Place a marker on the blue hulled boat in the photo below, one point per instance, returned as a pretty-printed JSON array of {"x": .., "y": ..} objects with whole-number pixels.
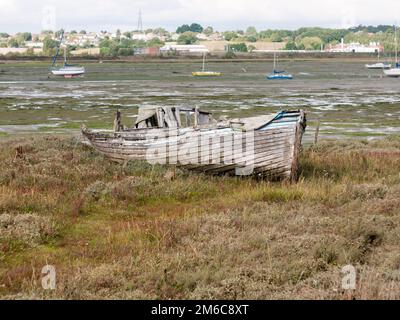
[{"x": 278, "y": 74}]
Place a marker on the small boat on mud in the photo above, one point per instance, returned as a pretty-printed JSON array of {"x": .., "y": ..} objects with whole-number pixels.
[
  {"x": 266, "y": 145},
  {"x": 394, "y": 72},
  {"x": 204, "y": 73},
  {"x": 67, "y": 70},
  {"x": 278, "y": 74},
  {"x": 378, "y": 66}
]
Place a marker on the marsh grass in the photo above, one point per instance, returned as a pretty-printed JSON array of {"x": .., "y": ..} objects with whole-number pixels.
[{"x": 141, "y": 231}]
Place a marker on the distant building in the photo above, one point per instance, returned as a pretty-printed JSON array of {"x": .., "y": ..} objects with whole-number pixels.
[
  {"x": 151, "y": 51},
  {"x": 86, "y": 52},
  {"x": 216, "y": 36},
  {"x": 79, "y": 40},
  {"x": 140, "y": 36},
  {"x": 32, "y": 44},
  {"x": 184, "y": 48},
  {"x": 175, "y": 36},
  {"x": 202, "y": 36},
  {"x": 260, "y": 46},
  {"x": 355, "y": 47},
  {"x": 43, "y": 36},
  {"x": 4, "y": 51}
]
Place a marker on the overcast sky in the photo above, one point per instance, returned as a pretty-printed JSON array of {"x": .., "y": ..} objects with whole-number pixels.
[{"x": 96, "y": 15}]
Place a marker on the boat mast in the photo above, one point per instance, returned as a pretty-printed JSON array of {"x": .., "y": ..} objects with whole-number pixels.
[
  {"x": 395, "y": 42},
  {"x": 58, "y": 48},
  {"x": 65, "y": 56},
  {"x": 274, "y": 61},
  {"x": 204, "y": 61}
]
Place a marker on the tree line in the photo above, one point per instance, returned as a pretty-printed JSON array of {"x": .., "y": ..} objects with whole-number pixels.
[{"x": 310, "y": 38}]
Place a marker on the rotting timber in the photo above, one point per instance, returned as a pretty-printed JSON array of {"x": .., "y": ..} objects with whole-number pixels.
[{"x": 266, "y": 145}]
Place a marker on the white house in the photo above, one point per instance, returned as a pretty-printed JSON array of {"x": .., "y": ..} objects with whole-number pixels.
[
  {"x": 175, "y": 36},
  {"x": 32, "y": 44},
  {"x": 184, "y": 48},
  {"x": 140, "y": 36},
  {"x": 372, "y": 47},
  {"x": 4, "y": 51}
]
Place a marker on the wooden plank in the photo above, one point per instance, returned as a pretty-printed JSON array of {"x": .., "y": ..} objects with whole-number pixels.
[
  {"x": 178, "y": 116},
  {"x": 169, "y": 118}
]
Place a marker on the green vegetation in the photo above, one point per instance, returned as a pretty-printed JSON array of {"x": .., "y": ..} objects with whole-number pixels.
[
  {"x": 13, "y": 43},
  {"x": 125, "y": 46},
  {"x": 237, "y": 47},
  {"x": 208, "y": 31},
  {"x": 194, "y": 27},
  {"x": 306, "y": 43},
  {"x": 372, "y": 29},
  {"x": 229, "y": 55},
  {"x": 229, "y": 35},
  {"x": 136, "y": 231},
  {"x": 18, "y": 41},
  {"x": 24, "y": 36},
  {"x": 310, "y": 38},
  {"x": 49, "y": 45},
  {"x": 58, "y": 33},
  {"x": 161, "y": 32},
  {"x": 187, "y": 38},
  {"x": 313, "y": 38}
]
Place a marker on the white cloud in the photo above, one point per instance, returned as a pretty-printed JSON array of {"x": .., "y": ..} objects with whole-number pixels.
[{"x": 20, "y": 15}]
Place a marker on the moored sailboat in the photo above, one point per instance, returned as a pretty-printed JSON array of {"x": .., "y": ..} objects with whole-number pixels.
[
  {"x": 278, "y": 74},
  {"x": 378, "y": 65},
  {"x": 204, "y": 73},
  {"x": 67, "y": 70},
  {"x": 394, "y": 72}
]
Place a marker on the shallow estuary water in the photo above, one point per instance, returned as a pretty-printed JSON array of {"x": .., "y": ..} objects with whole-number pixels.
[{"x": 348, "y": 100}]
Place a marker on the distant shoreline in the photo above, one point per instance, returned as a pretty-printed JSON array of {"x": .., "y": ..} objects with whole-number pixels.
[{"x": 213, "y": 57}]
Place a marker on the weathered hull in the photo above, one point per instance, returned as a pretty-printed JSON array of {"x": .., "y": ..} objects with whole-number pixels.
[{"x": 270, "y": 151}]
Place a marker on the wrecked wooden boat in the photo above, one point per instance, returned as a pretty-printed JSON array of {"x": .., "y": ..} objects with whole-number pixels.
[{"x": 266, "y": 145}]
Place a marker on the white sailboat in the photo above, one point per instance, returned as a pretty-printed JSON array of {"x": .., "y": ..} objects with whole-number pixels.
[
  {"x": 67, "y": 70},
  {"x": 203, "y": 72},
  {"x": 394, "y": 72},
  {"x": 379, "y": 65}
]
